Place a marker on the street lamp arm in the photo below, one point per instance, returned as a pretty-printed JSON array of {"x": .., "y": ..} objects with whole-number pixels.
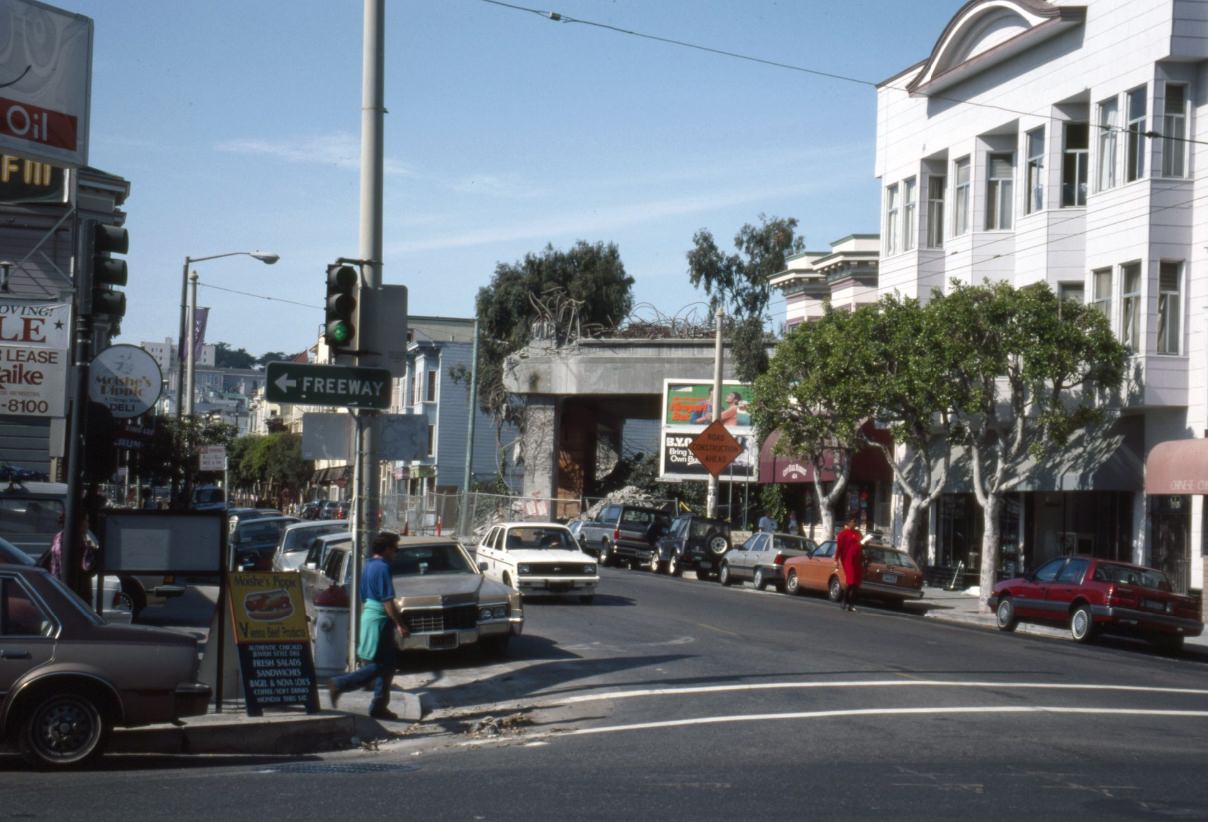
[{"x": 262, "y": 256}]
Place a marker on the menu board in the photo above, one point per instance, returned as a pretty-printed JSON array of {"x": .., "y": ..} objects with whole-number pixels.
[{"x": 269, "y": 622}]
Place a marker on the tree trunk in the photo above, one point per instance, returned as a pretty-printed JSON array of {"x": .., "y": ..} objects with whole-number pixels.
[
  {"x": 989, "y": 548},
  {"x": 910, "y": 524}
]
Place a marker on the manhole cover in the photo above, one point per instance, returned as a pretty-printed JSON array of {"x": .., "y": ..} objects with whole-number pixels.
[{"x": 339, "y": 767}]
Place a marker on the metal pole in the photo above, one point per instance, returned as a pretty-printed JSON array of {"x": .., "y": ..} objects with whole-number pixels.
[
  {"x": 186, "y": 499},
  {"x": 711, "y": 508},
  {"x": 356, "y": 518},
  {"x": 372, "y": 111},
  {"x": 468, "y": 475},
  {"x": 72, "y": 547},
  {"x": 180, "y": 340}
]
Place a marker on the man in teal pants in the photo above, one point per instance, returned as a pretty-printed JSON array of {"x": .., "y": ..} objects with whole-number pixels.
[{"x": 380, "y": 620}]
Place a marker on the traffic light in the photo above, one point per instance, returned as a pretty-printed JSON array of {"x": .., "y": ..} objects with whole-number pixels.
[
  {"x": 343, "y": 287},
  {"x": 107, "y": 272}
]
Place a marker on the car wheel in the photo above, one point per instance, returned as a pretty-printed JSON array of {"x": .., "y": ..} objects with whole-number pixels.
[
  {"x": 792, "y": 585},
  {"x": 758, "y": 581},
  {"x": 718, "y": 545},
  {"x": 653, "y": 565},
  {"x": 834, "y": 589},
  {"x": 605, "y": 554},
  {"x": 133, "y": 589},
  {"x": 702, "y": 573},
  {"x": 1082, "y": 624},
  {"x": 64, "y": 729},
  {"x": 673, "y": 566},
  {"x": 723, "y": 574},
  {"x": 1004, "y": 615}
]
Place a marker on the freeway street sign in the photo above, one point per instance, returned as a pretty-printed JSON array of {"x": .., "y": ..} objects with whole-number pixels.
[{"x": 291, "y": 382}]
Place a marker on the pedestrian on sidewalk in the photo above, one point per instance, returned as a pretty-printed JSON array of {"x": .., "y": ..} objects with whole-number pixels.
[
  {"x": 849, "y": 555},
  {"x": 767, "y": 524},
  {"x": 793, "y": 527},
  {"x": 380, "y": 619}
]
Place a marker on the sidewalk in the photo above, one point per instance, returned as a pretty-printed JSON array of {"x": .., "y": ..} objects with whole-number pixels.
[
  {"x": 288, "y": 731},
  {"x": 962, "y": 607}
]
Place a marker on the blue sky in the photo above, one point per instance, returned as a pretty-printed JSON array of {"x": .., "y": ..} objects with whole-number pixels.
[{"x": 238, "y": 122}]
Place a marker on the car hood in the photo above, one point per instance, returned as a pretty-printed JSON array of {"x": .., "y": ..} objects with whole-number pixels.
[
  {"x": 549, "y": 555},
  {"x": 447, "y": 589}
]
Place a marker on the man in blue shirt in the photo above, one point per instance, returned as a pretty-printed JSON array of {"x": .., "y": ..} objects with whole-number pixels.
[
  {"x": 767, "y": 524},
  {"x": 380, "y": 619}
]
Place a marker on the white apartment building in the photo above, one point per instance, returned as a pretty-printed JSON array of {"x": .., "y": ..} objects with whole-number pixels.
[{"x": 1059, "y": 142}]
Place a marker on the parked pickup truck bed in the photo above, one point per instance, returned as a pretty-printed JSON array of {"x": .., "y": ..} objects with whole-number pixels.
[{"x": 629, "y": 532}]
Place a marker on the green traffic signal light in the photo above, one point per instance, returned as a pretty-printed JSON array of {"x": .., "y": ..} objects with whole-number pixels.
[
  {"x": 343, "y": 283},
  {"x": 339, "y": 332}
]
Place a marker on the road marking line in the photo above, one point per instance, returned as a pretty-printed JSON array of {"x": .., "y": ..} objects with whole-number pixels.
[
  {"x": 836, "y": 714},
  {"x": 891, "y": 683},
  {"x": 715, "y": 628}
]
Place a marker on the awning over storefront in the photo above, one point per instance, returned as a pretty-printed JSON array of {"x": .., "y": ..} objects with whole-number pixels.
[
  {"x": 1177, "y": 467},
  {"x": 867, "y": 466}
]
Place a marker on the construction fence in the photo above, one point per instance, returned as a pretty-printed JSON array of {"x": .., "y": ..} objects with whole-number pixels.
[{"x": 442, "y": 513}]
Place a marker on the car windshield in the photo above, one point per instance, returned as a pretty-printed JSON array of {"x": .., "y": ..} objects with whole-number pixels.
[
  {"x": 78, "y": 603},
  {"x": 425, "y": 560},
  {"x": 1132, "y": 575},
  {"x": 29, "y": 523},
  {"x": 539, "y": 538},
  {"x": 299, "y": 539},
  {"x": 258, "y": 531}
]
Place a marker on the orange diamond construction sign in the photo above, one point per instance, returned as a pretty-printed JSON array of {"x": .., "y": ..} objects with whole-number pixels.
[{"x": 715, "y": 447}]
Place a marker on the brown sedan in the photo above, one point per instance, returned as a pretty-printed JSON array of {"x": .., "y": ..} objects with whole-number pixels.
[
  {"x": 889, "y": 574},
  {"x": 67, "y": 677}
]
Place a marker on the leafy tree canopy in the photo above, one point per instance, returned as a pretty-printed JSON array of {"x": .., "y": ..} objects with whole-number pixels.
[
  {"x": 589, "y": 279},
  {"x": 227, "y": 357}
]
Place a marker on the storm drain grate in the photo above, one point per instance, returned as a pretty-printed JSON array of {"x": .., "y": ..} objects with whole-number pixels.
[{"x": 339, "y": 767}]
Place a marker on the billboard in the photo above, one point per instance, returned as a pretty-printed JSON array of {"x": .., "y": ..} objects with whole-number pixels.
[
  {"x": 688, "y": 410},
  {"x": 45, "y": 80},
  {"x": 34, "y": 340}
]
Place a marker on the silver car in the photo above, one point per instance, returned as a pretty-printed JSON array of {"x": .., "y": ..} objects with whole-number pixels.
[
  {"x": 761, "y": 559},
  {"x": 296, "y": 540}
]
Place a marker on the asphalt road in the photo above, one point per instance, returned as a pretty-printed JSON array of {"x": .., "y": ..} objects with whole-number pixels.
[{"x": 678, "y": 699}]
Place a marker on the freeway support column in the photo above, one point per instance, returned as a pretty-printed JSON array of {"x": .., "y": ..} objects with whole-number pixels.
[{"x": 539, "y": 447}]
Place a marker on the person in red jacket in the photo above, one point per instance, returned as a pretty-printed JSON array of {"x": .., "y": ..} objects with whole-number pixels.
[{"x": 850, "y": 556}]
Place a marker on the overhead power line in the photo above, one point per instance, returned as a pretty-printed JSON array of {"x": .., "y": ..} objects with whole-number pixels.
[
  {"x": 558, "y": 17},
  {"x": 260, "y": 296}
]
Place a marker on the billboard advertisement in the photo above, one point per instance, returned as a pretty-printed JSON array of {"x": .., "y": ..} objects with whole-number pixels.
[
  {"x": 45, "y": 79},
  {"x": 34, "y": 339},
  {"x": 688, "y": 410}
]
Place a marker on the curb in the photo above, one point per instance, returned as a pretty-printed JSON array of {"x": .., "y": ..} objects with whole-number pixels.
[{"x": 243, "y": 735}]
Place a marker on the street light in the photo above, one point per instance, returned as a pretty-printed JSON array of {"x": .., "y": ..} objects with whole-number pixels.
[
  {"x": 263, "y": 256},
  {"x": 187, "y": 310}
]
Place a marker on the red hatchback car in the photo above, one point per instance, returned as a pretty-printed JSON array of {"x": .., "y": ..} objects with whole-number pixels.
[{"x": 1092, "y": 595}]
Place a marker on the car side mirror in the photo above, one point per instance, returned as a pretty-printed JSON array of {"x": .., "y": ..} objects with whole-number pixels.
[{"x": 482, "y": 566}]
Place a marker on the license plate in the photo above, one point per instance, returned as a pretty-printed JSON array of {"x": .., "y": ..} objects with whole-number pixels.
[
  {"x": 442, "y": 642},
  {"x": 889, "y": 577},
  {"x": 559, "y": 586},
  {"x": 1154, "y": 605}
]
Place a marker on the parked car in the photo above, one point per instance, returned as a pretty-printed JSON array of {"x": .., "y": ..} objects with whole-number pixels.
[
  {"x": 296, "y": 539},
  {"x": 1093, "y": 595},
  {"x": 238, "y": 515},
  {"x": 445, "y": 600},
  {"x": 311, "y": 510},
  {"x": 694, "y": 541},
  {"x": 761, "y": 559},
  {"x": 328, "y": 509},
  {"x": 538, "y": 558},
  {"x": 625, "y": 532},
  {"x": 208, "y": 498},
  {"x": 253, "y": 542},
  {"x": 890, "y": 575},
  {"x": 69, "y": 677},
  {"x": 116, "y": 604}
]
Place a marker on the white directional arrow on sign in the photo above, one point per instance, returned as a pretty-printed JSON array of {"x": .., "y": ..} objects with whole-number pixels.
[{"x": 284, "y": 382}]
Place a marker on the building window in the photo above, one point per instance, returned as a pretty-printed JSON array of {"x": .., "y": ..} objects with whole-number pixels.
[
  {"x": 891, "y": 219},
  {"x": 1101, "y": 291},
  {"x": 1174, "y": 130},
  {"x": 1109, "y": 124},
  {"x": 1035, "y": 200},
  {"x": 1134, "y": 167},
  {"x": 415, "y": 386},
  {"x": 1170, "y": 308},
  {"x": 961, "y": 224},
  {"x": 1130, "y": 306},
  {"x": 1070, "y": 293},
  {"x": 430, "y": 396},
  {"x": 1073, "y": 165},
  {"x": 1000, "y": 172},
  {"x": 431, "y": 440},
  {"x": 910, "y": 197},
  {"x": 935, "y": 211}
]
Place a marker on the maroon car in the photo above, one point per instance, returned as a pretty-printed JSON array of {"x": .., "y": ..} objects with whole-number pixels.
[
  {"x": 67, "y": 677},
  {"x": 1090, "y": 595}
]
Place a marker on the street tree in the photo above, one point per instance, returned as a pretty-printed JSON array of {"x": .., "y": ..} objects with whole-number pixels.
[
  {"x": 818, "y": 392},
  {"x": 739, "y": 283},
  {"x": 1029, "y": 370},
  {"x": 227, "y": 357},
  {"x": 555, "y": 293}
]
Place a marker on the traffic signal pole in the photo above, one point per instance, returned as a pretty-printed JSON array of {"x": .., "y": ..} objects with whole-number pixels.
[{"x": 367, "y": 502}]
